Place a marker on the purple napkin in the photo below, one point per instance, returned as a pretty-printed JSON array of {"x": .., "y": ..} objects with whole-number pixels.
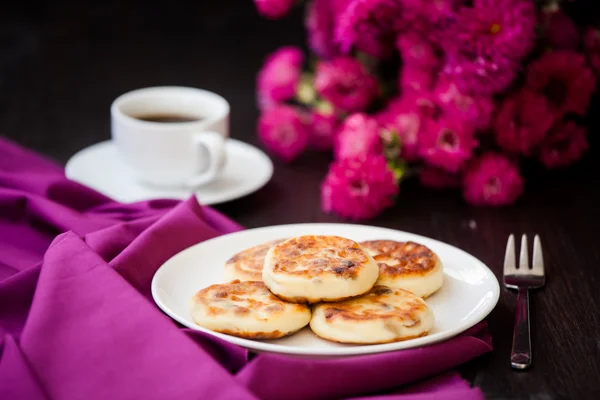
[{"x": 77, "y": 319}]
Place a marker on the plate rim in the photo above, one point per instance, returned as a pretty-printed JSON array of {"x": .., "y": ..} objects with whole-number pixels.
[
  {"x": 102, "y": 145},
  {"x": 258, "y": 346}
]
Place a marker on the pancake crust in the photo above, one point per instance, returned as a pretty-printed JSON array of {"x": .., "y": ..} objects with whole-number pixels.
[
  {"x": 406, "y": 265},
  {"x": 247, "y": 265},
  {"x": 319, "y": 268},
  {"x": 383, "y": 315},
  {"x": 248, "y": 310}
]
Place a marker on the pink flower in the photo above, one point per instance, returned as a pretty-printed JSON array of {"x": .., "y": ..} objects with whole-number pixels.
[
  {"x": 437, "y": 10},
  {"x": 273, "y": 9},
  {"x": 492, "y": 180},
  {"x": 522, "y": 122},
  {"x": 279, "y": 76},
  {"x": 474, "y": 109},
  {"x": 565, "y": 79},
  {"x": 345, "y": 83},
  {"x": 358, "y": 188},
  {"x": 420, "y": 63},
  {"x": 320, "y": 22},
  {"x": 358, "y": 136},
  {"x": 479, "y": 75},
  {"x": 436, "y": 178},
  {"x": 495, "y": 29},
  {"x": 408, "y": 116},
  {"x": 415, "y": 79},
  {"x": 592, "y": 48},
  {"x": 369, "y": 26},
  {"x": 447, "y": 143},
  {"x": 559, "y": 29},
  {"x": 488, "y": 42},
  {"x": 283, "y": 131},
  {"x": 322, "y": 130},
  {"x": 418, "y": 117},
  {"x": 565, "y": 144},
  {"x": 429, "y": 19},
  {"x": 417, "y": 51}
]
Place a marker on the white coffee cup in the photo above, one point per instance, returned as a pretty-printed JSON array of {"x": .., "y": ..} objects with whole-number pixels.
[{"x": 171, "y": 154}]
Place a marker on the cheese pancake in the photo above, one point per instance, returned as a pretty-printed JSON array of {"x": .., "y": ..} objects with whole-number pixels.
[
  {"x": 406, "y": 265},
  {"x": 247, "y": 265},
  {"x": 383, "y": 315},
  {"x": 248, "y": 310},
  {"x": 310, "y": 269}
]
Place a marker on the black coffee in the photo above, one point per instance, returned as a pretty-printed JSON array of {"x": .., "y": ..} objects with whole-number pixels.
[{"x": 168, "y": 118}]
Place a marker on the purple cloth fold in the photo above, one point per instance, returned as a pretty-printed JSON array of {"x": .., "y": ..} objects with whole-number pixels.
[{"x": 77, "y": 319}]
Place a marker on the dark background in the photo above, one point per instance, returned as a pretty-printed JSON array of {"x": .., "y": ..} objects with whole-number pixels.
[{"x": 63, "y": 62}]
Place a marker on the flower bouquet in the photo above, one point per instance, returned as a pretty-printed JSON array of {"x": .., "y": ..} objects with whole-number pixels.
[{"x": 456, "y": 92}]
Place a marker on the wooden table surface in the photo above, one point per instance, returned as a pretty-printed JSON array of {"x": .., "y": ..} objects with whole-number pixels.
[{"x": 62, "y": 63}]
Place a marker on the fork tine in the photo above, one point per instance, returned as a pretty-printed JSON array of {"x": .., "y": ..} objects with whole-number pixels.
[
  {"x": 524, "y": 258},
  {"x": 509, "y": 257},
  {"x": 538, "y": 257}
]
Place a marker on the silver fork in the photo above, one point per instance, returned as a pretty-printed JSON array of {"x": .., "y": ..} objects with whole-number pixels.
[{"x": 523, "y": 279}]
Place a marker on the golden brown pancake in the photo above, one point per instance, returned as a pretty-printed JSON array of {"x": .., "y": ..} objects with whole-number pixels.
[
  {"x": 406, "y": 265},
  {"x": 247, "y": 265},
  {"x": 318, "y": 268},
  {"x": 383, "y": 315},
  {"x": 248, "y": 310}
]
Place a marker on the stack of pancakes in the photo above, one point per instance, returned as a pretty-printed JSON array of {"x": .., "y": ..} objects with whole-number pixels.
[{"x": 349, "y": 292}]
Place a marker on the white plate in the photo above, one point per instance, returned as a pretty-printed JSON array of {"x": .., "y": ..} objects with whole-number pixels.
[
  {"x": 101, "y": 168},
  {"x": 469, "y": 293}
]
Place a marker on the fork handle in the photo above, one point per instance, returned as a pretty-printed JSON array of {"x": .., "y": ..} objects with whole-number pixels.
[{"x": 520, "y": 357}]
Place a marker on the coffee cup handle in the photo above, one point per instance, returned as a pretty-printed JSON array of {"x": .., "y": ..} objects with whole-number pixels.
[{"x": 214, "y": 143}]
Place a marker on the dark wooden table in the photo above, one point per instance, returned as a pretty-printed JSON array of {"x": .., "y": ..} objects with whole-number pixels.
[{"x": 63, "y": 62}]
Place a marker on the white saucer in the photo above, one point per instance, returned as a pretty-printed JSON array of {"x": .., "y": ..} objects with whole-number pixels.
[{"x": 101, "y": 168}]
